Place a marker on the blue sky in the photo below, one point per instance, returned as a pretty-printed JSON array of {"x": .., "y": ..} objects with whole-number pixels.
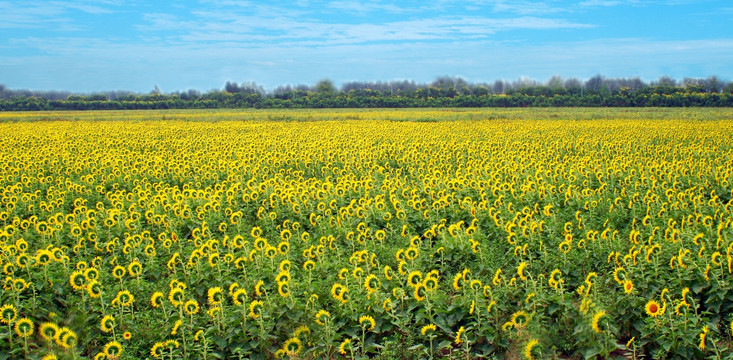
[{"x": 87, "y": 46}]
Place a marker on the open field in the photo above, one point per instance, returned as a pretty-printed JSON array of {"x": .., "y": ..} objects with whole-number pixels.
[{"x": 309, "y": 234}]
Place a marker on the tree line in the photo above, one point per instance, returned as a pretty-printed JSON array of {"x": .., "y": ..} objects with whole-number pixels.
[{"x": 443, "y": 92}]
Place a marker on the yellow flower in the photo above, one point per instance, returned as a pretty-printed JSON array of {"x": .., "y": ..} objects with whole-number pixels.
[
  {"x": 367, "y": 319},
  {"x": 176, "y": 326},
  {"x": 520, "y": 318},
  {"x": 191, "y": 307},
  {"x": 215, "y": 296},
  {"x": 342, "y": 347},
  {"x": 283, "y": 289},
  {"x": 258, "y": 287},
  {"x": 156, "y": 299},
  {"x": 387, "y": 305},
  {"x": 113, "y": 349},
  {"x": 653, "y": 308},
  {"x": 322, "y": 316},
  {"x": 292, "y": 346},
  {"x": 24, "y": 327},
  {"x": 255, "y": 309},
  {"x": 628, "y": 286},
  {"x": 426, "y": 328},
  {"x": 520, "y": 271},
  {"x": 8, "y": 314},
  {"x": 197, "y": 336},
  {"x": 66, "y": 338},
  {"x": 703, "y": 336},
  {"x": 596, "y": 318},
  {"x": 371, "y": 283},
  {"x": 176, "y": 296},
  {"x": 458, "y": 340},
  {"x": 107, "y": 323},
  {"x": 157, "y": 349},
  {"x": 239, "y": 297},
  {"x": 420, "y": 292},
  {"x": 457, "y": 280},
  {"x": 529, "y": 347},
  {"x": 48, "y": 331}
]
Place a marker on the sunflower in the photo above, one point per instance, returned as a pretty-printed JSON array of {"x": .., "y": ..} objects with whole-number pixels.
[
  {"x": 258, "y": 288},
  {"x": 215, "y": 296},
  {"x": 24, "y": 327},
  {"x": 322, "y": 316},
  {"x": 653, "y": 308},
  {"x": 255, "y": 309},
  {"x": 282, "y": 276},
  {"x": 387, "y": 305},
  {"x": 371, "y": 283},
  {"x": 50, "y": 357},
  {"x": 124, "y": 298},
  {"x": 91, "y": 274},
  {"x": 309, "y": 265},
  {"x": 457, "y": 281},
  {"x": 520, "y": 271},
  {"x": 66, "y": 338},
  {"x": 430, "y": 327},
  {"x": 520, "y": 318},
  {"x": 292, "y": 346},
  {"x": 113, "y": 349},
  {"x": 596, "y": 318},
  {"x": 388, "y": 273},
  {"x": 48, "y": 331},
  {"x": 458, "y": 340},
  {"x": 107, "y": 323},
  {"x": 336, "y": 290},
  {"x": 214, "y": 312},
  {"x": 175, "y": 296},
  {"x": 628, "y": 286},
  {"x": 414, "y": 278},
  {"x": 420, "y": 292},
  {"x": 156, "y": 350},
  {"x": 342, "y": 347},
  {"x": 703, "y": 336},
  {"x": 529, "y": 347},
  {"x": 127, "y": 335},
  {"x": 156, "y": 299},
  {"x": 239, "y": 297},
  {"x": 283, "y": 289},
  {"x": 8, "y": 313},
  {"x": 402, "y": 268},
  {"x": 77, "y": 280},
  {"x": 367, "y": 319},
  {"x": 176, "y": 325},
  {"x": 497, "y": 277},
  {"x": 191, "y": 307},
  {"x": 119, "y": 272},
  {"x": 94, "y": 289}
]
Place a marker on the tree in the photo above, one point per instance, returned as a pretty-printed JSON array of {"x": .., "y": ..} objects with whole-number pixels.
[{"x": 325, "y": 87}]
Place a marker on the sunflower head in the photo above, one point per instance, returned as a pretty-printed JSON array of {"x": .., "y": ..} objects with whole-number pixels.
[
  {"x": 24, "y": 327},
  {"x": 113, "y": 350},
  {"x": 653, "y": 308},
  {"x": 368, "y": 322},
  {"x": 107, "y": 323},
  {"x": 8, "y": 313}
]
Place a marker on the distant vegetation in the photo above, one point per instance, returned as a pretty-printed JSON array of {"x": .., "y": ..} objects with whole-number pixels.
[{"x": 443, "y": 92}]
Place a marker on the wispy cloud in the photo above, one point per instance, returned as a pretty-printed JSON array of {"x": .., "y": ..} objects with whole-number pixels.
[
  {"x": 365, "y": 8},
  {"x": 216, "y": 25},
  {"x": 52, "y": 15}
]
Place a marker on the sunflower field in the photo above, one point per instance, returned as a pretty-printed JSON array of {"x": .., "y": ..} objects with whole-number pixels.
[{"x": 410, "y": 235}]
